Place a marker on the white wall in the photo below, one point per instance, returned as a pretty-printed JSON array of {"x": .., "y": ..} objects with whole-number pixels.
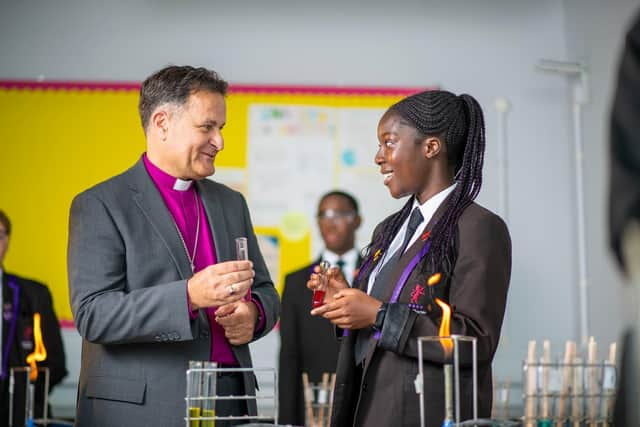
[{"x": 486, "y": 48}]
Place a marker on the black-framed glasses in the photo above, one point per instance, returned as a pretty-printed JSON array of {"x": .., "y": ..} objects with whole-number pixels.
[{"x": 332, "y": 215}]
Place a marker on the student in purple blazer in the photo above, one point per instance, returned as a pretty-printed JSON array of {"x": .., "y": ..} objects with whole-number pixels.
[
  {"x": 20, "y": 298},
  {"x": 431, "y": 148}
]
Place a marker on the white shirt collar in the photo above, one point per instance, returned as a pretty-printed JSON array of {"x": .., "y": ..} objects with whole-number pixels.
[
  {"x": 428, "y": 208},
  {"x": 350, "y": 259}
]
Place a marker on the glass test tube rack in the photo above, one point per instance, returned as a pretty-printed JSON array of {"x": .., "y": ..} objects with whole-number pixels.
[
  {"x": 575, "y": 394},
  {"x": 197, "y": 398},
  {"x": 419, "y": 382},
  {"x": 29, "y": 396},
  {"x": 318, "y": 400}
]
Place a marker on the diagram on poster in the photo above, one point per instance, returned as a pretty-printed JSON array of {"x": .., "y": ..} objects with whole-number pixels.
[{"x": 297, "y": 153}]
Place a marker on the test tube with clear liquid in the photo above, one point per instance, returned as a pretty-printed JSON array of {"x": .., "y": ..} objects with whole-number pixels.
[
  {"x": 318, "y": 294},
  {"x": 209, "y": 394},
  {"x": 195, "y": 394},
  {"x": 242, "y": 254}
]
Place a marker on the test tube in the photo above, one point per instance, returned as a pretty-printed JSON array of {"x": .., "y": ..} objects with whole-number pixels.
[
  {"x": 318, "y": 293},
  {"x": 195, "y": 394},
  {"x": 242, "y": 254},
  {"x": 31, "y": 403},
  {"x": 209, "y": 392},
  {"x": 242, "y": 250}
]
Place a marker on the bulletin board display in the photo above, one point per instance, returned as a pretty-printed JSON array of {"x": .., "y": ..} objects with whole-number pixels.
[{"x": 284, "y": 147}]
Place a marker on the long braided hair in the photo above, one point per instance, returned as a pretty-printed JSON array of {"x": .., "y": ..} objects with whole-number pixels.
[{"x": 458, "y": 122}]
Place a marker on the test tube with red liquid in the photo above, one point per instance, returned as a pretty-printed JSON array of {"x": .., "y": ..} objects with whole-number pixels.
[{"x": 318, "y": 294}]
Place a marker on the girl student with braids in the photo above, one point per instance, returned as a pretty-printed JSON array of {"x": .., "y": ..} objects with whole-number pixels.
[{"x": 431, "y": 148}]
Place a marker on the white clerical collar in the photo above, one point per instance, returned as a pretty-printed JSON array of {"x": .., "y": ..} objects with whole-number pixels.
[{"x": 182, "y": 184}]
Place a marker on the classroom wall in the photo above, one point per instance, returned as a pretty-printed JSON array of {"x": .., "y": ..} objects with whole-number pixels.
[
  {"x": 486, "y": 48},
  {"x": 595, "y": 37}
]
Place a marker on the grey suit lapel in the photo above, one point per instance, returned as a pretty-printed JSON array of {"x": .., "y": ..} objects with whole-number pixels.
[
  {"x": 150, "y": 202},
  {"x": 211, "y": 201}
]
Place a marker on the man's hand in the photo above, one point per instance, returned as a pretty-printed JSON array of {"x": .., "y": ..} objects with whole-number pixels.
[
  {"x": 350, "y": 309},
  {"x": 238, "y": 320},
  {"x": 220, "y": 284}
]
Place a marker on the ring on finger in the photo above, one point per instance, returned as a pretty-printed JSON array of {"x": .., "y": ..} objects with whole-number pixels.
[{"x": 232, "y": 289}]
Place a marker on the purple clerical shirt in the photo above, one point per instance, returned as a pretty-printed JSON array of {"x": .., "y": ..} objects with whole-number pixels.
[{"x": 182, "y": 206}]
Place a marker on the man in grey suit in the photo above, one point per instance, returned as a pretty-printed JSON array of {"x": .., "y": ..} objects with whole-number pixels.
[{"x": 153, "y": 279}]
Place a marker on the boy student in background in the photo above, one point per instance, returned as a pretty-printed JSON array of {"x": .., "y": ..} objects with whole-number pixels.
[
  {"x": 431, "y": 148},
  {"x": 308, "y": 344},
  {"x": 20, "y": 298}
]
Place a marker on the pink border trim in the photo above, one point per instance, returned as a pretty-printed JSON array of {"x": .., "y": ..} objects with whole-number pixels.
[
  {"x": 64, "y": 85},
  {"x": 328, "y": 90},
  {"x": 67, "y": 324},
  {"x": 239, "y": 88}
]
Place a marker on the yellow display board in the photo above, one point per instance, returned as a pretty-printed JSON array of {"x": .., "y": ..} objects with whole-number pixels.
[{"x": 58, "y": 139}]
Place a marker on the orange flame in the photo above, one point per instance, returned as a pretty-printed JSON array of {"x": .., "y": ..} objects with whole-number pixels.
[
  {"x": 445, "y": 327},
  {"x": 39, "y": 352},
  {"x": 434, "y": 279}
]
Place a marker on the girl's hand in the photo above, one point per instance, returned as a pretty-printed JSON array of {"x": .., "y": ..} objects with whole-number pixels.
[{"x": 350, "y": 309}]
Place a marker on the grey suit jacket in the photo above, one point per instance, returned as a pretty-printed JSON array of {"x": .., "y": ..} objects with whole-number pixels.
[{"x": 127, "y": 282}]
